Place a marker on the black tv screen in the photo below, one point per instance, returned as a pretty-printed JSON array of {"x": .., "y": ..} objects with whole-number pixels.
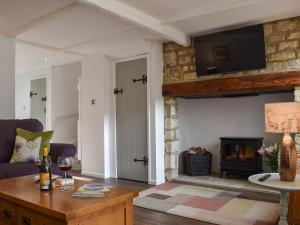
[{"x": 231, "y": 51}]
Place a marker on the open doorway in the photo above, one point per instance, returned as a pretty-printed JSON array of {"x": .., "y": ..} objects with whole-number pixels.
[{"x": 38, "y": 99}]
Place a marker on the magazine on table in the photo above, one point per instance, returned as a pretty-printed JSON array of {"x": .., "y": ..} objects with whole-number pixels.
[{"x": 93, "y": 190}]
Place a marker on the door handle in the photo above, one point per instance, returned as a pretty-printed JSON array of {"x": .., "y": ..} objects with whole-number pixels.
[
  {"x": 7, "y": 213},
  {"x": 26, "y": 220},
  {"x": 144, "y": 160}
]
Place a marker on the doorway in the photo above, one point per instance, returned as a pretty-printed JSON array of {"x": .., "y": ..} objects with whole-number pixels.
[
  {"x": 131, "y": 119},
  {"x": 38, "y": 99}
]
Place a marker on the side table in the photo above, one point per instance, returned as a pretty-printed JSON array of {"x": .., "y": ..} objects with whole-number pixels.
[{"x": 284, "y": 187}]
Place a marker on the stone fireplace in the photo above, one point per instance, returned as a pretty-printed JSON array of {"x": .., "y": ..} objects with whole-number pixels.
[
  {"x": 172, "y": 147},
  {"x": 282, "y": 40}
]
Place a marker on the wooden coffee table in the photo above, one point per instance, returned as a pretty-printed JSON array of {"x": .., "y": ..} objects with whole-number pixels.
[{"x": 22, "y": 203}]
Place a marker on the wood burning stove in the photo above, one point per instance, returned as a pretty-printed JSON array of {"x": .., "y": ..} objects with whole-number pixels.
[{"x": 239, "y": 155}]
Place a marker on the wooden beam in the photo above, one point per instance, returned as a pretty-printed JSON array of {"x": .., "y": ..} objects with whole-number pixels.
[
  {"x": 264, "y": 83},
  {"x": 141, "y": 19}
]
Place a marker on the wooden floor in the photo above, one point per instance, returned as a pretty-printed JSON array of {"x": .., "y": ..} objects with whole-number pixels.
[{"x": 149, "y": 217}]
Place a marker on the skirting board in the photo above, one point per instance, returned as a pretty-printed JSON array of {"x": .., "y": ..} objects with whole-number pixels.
[
  {"x": 93, "y": 174},
  {"x": 156, "y": 182},
  {"x": 100, "y": 175}
]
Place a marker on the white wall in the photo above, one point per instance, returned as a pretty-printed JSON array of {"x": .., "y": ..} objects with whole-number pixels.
[
  {"x": 156, "y": 115},
  {"x": 95, "y": 118},
  {"x": 64, "y": 80},
  {"x": 22, "y": 97},
  {"x": 7, "y": 78},
  {"x": 203, "y": 121}
]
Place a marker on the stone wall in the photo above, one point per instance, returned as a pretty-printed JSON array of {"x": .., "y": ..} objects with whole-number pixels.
[
  {"x": 297, "y": 136},
  {"x": 171, "y": 138},
  {"x": 282, "y": 41}
]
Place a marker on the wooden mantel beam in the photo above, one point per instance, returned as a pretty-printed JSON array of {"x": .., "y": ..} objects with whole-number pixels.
[
  {"x": 264, "y": 83},
  {"x": 140, "y": 19}
]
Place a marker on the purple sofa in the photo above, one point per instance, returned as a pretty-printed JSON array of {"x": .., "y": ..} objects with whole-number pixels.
[{"x": 7, "y": 141}]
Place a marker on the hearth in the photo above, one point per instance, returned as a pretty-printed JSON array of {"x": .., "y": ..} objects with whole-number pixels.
[{"x": 239, "y": 155}]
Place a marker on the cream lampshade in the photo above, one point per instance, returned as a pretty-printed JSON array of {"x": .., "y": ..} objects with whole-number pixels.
[{"x": 284, "y": 118}]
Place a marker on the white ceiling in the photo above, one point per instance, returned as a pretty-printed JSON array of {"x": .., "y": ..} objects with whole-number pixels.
[
  {"x": 78, "y": 24},
  {"x": 202, "y": 16},
  {"x": 119, "y": 45},
  {"x": 30, "y": 58},
  {"x": 121, "y": 28},
  {"x": 168, "y": 10},
  {"x": 246, "y": 14},
  {"x": 15, "y": 13}
]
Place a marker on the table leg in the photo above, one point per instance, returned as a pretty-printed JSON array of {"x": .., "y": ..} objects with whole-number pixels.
[{"x": 284, "y": 200}]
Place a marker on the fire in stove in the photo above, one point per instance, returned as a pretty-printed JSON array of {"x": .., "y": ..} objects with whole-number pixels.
[{"x": 243, "y": 155}]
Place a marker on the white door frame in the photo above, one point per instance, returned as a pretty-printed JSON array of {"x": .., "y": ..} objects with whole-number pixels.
[
  {"x": 150, "y": 161},
  {"x": 34, "y": 75},
  {"x": 79, "y": 123}
]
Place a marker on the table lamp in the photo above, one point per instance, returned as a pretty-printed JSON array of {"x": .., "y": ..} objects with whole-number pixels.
[{"x": 284, "y": 118}]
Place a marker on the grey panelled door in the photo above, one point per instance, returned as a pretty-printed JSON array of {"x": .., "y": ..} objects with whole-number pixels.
[
  {"x": 38, "y": 100},
  {"x": 131, "y": 100}
]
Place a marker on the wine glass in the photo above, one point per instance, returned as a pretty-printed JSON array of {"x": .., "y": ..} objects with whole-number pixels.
[{"x": 65, "y": 164}]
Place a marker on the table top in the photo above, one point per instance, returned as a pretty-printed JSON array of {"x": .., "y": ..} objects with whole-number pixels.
[
  {"x": 58, "y": 203},
  {"x": 275, "y": 182}
]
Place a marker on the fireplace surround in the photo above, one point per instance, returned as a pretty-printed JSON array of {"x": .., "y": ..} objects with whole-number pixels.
[{"x": 180, "y": 73}]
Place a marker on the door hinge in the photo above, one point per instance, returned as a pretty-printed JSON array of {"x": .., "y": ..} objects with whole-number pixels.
[
  {"x": 117, "y": 91},
  {"x": 143, "y": 79},
  {"x": 144, "y": 160}
]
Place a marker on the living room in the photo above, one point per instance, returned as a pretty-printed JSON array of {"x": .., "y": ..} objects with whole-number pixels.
[{"x": 176, "y": 109}]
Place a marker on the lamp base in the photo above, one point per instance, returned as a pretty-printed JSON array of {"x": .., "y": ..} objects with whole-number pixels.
[{"x": 288, "y": 159}]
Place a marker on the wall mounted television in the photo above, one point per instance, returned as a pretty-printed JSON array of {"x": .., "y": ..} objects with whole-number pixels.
[{"x": 231, "y": 51}]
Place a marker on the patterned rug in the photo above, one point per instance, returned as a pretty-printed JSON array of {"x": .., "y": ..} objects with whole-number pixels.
[{"x": 208, "y": 205}]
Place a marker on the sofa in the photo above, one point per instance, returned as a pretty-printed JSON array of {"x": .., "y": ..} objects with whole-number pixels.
[{"x": 7, "y": 142}]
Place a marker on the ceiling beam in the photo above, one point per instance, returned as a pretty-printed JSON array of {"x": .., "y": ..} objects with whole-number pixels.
[
  {"x": 78, "y": 44},
  {"x": 54, "y": 49},
  {"x": 141, "y": 19}
]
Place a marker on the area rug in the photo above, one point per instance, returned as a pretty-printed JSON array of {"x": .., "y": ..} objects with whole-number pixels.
[{"x": 208, "y": 205}]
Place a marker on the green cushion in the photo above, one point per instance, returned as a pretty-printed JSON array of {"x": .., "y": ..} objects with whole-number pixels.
[{"x": 29, "y": 136}]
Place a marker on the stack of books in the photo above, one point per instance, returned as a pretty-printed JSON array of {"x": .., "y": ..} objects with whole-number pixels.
[{"x": 93, "y": 190}]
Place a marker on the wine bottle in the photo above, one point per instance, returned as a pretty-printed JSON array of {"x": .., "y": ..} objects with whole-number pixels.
[{"x": 45, "y": 172}]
